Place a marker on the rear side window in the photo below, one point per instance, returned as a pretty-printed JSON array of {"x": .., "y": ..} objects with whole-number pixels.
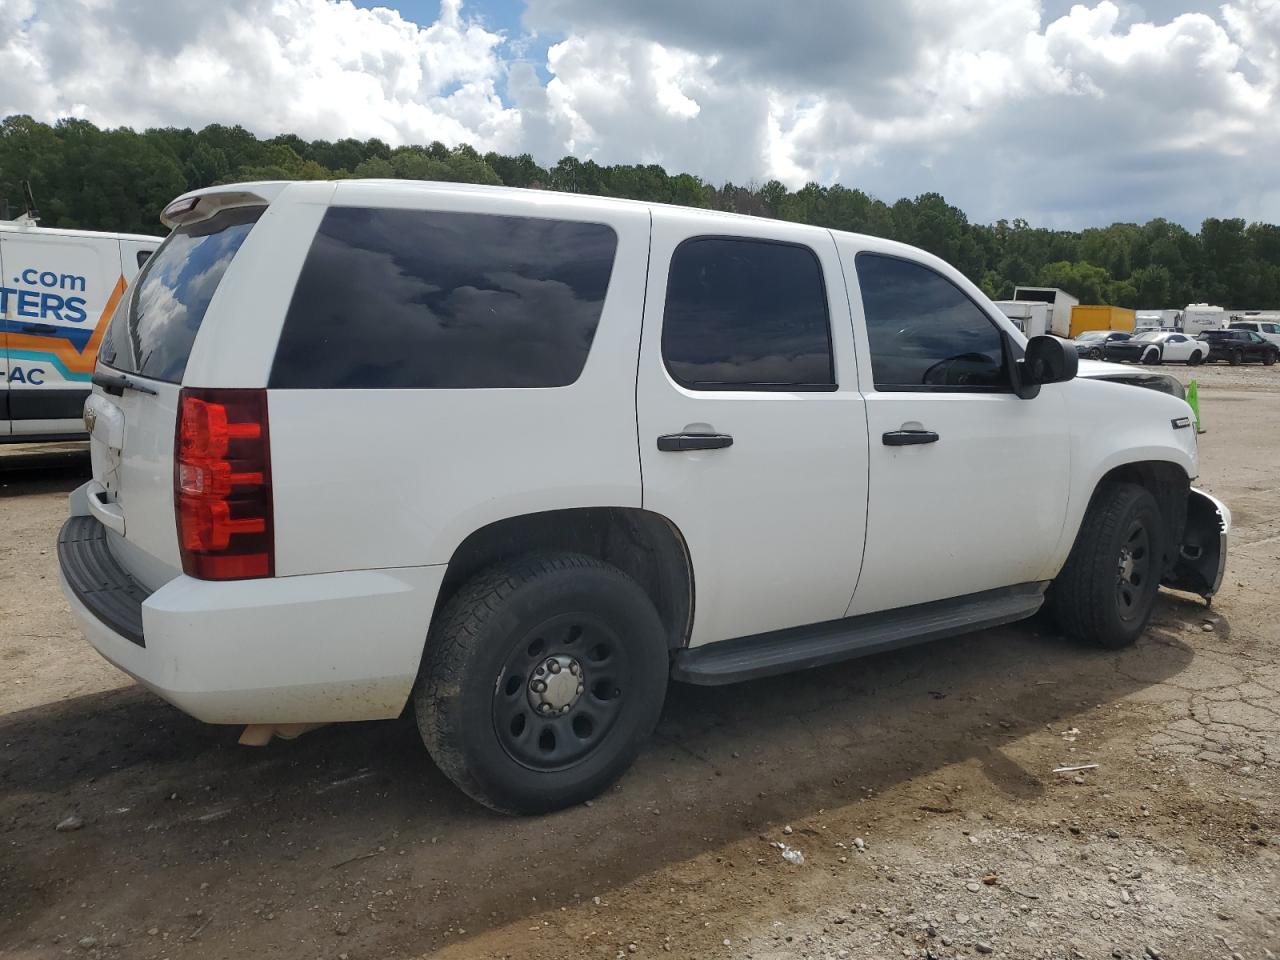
[
  {"x": 152, "y": 331},
  {"x": 923, "y": 332},
  {"x": 747, "y": 315},
  {"x": 426, "y": 299}
]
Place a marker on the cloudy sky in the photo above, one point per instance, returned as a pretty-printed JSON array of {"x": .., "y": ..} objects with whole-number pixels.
[{"x": 1067, "y": 115}]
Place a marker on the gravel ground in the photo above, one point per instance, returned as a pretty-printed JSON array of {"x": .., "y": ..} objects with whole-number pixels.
[{"x": 917, "y": 788}]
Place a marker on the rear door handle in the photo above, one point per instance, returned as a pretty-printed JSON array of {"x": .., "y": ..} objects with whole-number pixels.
[
  {"x": 677, "y": 442},
  {"x": 908, "y": 438}
]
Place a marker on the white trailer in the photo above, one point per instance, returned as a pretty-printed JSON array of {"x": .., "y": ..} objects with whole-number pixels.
[
  {"x": 1031, "y": 317},
  {"x": 1199, "y": 317},
  {"x": 1060, "y": 304},
  {"x": 1157, "y": 320},
  {"x": 1261, "y": 316}
]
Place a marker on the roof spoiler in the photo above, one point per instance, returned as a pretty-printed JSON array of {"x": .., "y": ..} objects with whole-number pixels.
[{"x": 202, "y": 204}]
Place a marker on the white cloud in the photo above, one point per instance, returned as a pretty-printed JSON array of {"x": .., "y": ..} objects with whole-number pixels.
[
  {"x": 317, "y": 68},
  {"x": 1092, "y": 116},
  {"x": 1064, "y": 114}
]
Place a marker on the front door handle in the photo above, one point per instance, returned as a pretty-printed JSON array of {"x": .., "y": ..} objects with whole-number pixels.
[
  {"x": 908, "y": 438},
  {"x": 678, "y": 442}
]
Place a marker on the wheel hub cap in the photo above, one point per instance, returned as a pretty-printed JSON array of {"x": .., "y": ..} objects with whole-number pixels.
[
  {"x": 1126, "y": 565},
  {"x": 555, "y": 685}
]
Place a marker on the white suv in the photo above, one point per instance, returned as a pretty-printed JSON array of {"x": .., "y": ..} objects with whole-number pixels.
[
  {"x": 520, "y": 457},
  {"x": 1268, "y": 331}
]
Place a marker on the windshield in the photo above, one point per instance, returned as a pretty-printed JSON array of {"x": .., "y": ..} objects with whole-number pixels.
[
  {"x": 1147, "y": 336},
  {"x": 154, "y": 328},
  {"x": 1092, "y": 335}
]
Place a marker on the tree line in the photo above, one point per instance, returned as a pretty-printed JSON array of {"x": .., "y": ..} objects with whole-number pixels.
[{"x": 119, "y": 179}]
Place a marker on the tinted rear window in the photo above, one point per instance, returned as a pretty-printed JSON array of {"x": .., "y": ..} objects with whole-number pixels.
[
  {"x": 746, "y": 314},
  {"x": 426, "y": 299},
  {"x": 153, "y": 329}
]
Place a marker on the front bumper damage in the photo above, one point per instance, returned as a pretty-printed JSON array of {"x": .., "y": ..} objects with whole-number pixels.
[{"x": 1202, "y": 556}]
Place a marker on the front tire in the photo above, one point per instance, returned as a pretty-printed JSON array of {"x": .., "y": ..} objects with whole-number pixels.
[
  {"x": 1107, "y": 590},
  {"x": 1151, "y": 358},
  {"x": 1269, "y": 360},
  {"x": 1095, "y": 354},
  {"x": 1237, "y": 358},
  {"x": 542, "y": 679}
]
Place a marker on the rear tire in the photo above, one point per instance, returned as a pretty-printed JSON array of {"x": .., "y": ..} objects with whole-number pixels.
[
  {"x": 1107, "y": 589},
  {"x": 1195, "y": 359},
  {"x": 496, "y": 702}
]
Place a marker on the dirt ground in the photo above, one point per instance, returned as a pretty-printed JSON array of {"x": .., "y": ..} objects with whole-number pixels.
[{"x": 917, "y": 786}]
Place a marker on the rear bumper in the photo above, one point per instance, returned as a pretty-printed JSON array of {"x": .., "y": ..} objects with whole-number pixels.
[{"x": 308, "y": 649}]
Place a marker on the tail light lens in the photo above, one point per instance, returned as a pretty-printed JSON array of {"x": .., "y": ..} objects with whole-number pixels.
[{"x": 222, "y": 484}]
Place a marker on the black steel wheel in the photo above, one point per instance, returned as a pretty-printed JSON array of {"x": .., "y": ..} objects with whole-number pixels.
[
  {"x": 1133, "y": 571},
  {"x": 560, "y": 692},
  {"x": 1106, "y": 591},
  {"x": 542, "y": 678}
]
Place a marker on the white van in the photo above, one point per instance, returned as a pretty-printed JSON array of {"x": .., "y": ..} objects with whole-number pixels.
[{"x": 58, "y": 288}]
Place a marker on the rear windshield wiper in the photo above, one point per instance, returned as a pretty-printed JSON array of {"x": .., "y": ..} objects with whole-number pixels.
[{"x": 117, "y": 383}]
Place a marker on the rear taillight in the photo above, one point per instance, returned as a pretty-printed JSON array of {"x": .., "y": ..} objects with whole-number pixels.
[{"x": 222, "y": 484}]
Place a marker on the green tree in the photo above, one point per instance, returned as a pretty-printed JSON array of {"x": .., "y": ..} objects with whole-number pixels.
[
  {"x": 120, "y": 179},
  {"x": 1153, "y": 287},
  {"x": 1087, "y": 282}
]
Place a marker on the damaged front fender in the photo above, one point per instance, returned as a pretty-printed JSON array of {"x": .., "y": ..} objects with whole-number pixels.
[{"x": 1202, "y": 555}]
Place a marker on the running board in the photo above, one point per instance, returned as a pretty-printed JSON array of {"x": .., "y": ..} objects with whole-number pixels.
[{"x": 801, "y": 648}]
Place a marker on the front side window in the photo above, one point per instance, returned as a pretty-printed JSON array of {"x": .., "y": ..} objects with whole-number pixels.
[
  {"x": 746, "y": 314},
  {"x": 923, "y": 332},
  {"x": 418, "y": 299},
  {"x": 153, "y": 329}
]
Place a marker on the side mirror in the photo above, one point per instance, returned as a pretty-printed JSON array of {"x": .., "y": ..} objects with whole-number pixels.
[{"x": 1046, "y": 360}]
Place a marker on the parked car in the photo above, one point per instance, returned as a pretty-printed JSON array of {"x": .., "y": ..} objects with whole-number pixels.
[
  {"x": 1268, "y": 331},
  {"x": 518, "y": 458},
  {"x": 1155, "y": 347},
  {"x": 1239, "y": 346},
  {"x": 1093, "y": 343}
]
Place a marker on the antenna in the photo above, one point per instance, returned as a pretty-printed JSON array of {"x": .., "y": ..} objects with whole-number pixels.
[{"x": 32, "y": 213}]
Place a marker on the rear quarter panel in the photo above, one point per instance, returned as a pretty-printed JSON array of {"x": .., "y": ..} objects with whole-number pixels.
[{"x": 387, "y": 478}]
